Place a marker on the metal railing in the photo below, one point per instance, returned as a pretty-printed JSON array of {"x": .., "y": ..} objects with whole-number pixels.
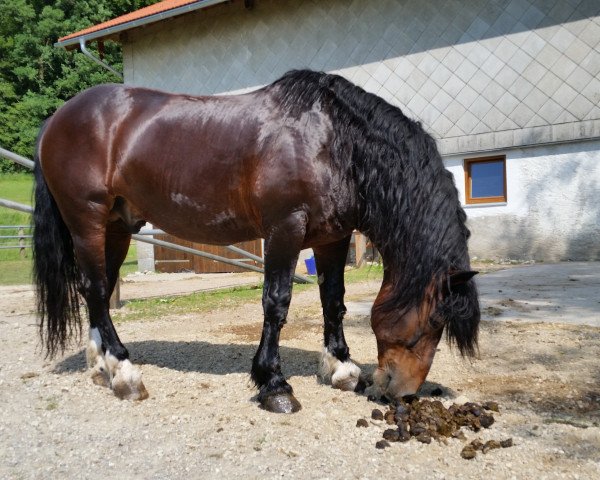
[
  {"x": 19, "y": 235},
  {"x": 26, "y": 208}
]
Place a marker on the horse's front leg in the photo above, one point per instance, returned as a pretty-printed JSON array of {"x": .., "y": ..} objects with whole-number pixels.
[
  {"x": 281, "y": 254},
  {"x": 336, "y": 366}
]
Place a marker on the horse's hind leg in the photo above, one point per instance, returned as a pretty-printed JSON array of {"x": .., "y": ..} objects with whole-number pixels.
[
  {"x": 116, "y": 245},
  {"x": 336, "y": 366},
  {"x": 100, "y": 251}
]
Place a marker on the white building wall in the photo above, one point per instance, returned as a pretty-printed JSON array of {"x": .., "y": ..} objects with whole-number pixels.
[
  {"x": 520, "y": 77},
  {"x": 145, "y": 253},
  {"x": 480, "y": 75},
  {"x": 552, "y": 210}
]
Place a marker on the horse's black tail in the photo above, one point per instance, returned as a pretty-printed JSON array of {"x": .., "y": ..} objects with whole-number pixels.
[{"x": 54, "y": 269}]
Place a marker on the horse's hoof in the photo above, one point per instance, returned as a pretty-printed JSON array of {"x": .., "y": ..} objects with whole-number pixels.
[
  {"x": 347, "y": 384},
  {"x": 128, "y": 391},
  {"x": 281, "y": 403},
  {"x": 346, "y": 377},
  {"x": 100, "y": 375},
  {"x": 127, "y": 383}
]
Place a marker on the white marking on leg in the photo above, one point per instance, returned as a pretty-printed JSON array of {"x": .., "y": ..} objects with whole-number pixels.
[
  {"x": 96, "y": 338},
  {"x": 342, "y": 375},
  {"x": 111, "y": 363},
  {"x": 94, "y": 349},
  {"x": 95, "y": 360},
  {"x": 327, "y": 366}
]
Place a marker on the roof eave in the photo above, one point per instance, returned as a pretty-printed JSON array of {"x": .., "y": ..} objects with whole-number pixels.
[{"x": 140, "y": 22}]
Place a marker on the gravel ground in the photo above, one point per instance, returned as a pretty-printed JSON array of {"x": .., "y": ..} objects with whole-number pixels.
[{"x": 201, "y": 420}]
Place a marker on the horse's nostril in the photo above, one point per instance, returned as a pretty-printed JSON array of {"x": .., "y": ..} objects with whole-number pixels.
[
  {"x": 361, "y": 386},
  {"x": 409, "y": 398}
]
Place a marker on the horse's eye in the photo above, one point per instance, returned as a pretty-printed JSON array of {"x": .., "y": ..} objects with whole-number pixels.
[{"x": 436, "y": 320}]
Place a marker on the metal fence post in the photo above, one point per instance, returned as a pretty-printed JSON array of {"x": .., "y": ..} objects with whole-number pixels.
[
  {"x": 360, "y": 242},
  {"x": 21, "y": 242},
  {"x": 115, "y": 299}
]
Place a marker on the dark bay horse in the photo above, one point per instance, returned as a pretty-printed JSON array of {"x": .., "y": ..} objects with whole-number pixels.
[{"x": 300, "y": 163}]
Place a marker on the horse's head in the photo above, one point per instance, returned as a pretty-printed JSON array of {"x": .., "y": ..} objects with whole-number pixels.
[{"x": 407, "y": 339}]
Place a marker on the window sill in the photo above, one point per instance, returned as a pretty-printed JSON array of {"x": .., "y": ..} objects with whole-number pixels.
[{"x": 485, "y": 205}]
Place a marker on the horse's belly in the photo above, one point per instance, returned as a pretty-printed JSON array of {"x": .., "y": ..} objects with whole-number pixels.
[
  {"x": 211, "y": 234},
  {"x": 222, "y": 228},
  {"x": 192, "y": 220}
]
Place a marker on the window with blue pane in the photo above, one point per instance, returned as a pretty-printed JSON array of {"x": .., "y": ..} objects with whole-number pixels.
[{"x": 485, "y": 180}]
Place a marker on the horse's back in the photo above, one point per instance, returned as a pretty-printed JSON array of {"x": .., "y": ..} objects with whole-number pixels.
[
  {"x": 213, "y": 169},
  {"x": 87, "y": 126}
]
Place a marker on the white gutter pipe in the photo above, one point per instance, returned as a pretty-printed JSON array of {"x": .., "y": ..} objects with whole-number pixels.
[{"x": 87, "y": 53}]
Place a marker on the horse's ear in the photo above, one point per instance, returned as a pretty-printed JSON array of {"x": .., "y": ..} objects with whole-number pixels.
[{"x": 460, "y": 277}]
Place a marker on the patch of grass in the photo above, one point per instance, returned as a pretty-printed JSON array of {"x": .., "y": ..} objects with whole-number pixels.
[
  {"x": 14, "y": 254},
  {"x": 194, "y": 303},
  {"x": 566, "y": 421},
  {"x": 17, "y": 187},
  {"x": 13, "y": 217},
  {"x": 229, "y": 298},
  {"x": 10, "y": 219},
  {"x": 362, "y": 274},
  {"x": 17, "y": 271},
  {"x": 52, "y": 404},
  {"x": 130, "y": 263},
  {"x": 13, "y": 267}
]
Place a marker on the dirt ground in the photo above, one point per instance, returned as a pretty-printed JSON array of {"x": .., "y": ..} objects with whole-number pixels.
[{"x": 201, "y": 420}]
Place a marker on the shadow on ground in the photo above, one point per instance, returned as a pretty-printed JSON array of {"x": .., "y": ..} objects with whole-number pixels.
[
  {"x": 205, "y": 357},
  {"x": 223, "y": 359}
]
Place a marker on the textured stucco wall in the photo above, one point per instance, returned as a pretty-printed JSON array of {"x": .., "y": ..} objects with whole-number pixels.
[
  {"x": 480, "y": 75},
  {"x": 483, "y": 76},
  {"x": 552, "y": 210}
]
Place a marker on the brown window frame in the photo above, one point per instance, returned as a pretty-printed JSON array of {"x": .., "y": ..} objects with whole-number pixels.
[{"x": 469, "y": 182}]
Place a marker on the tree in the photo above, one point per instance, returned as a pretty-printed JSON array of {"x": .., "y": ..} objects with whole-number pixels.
[{"x": 35, "y": 77}]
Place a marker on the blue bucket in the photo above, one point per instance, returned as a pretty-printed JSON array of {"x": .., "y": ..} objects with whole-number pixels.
[{"x": 311, "y": 266}]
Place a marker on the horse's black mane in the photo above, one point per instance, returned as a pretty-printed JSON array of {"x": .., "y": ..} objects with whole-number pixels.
[{"x": 408, "y": 202}]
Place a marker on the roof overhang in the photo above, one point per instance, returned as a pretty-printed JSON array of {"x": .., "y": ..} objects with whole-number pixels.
[{"x": 130, "y": 21}]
